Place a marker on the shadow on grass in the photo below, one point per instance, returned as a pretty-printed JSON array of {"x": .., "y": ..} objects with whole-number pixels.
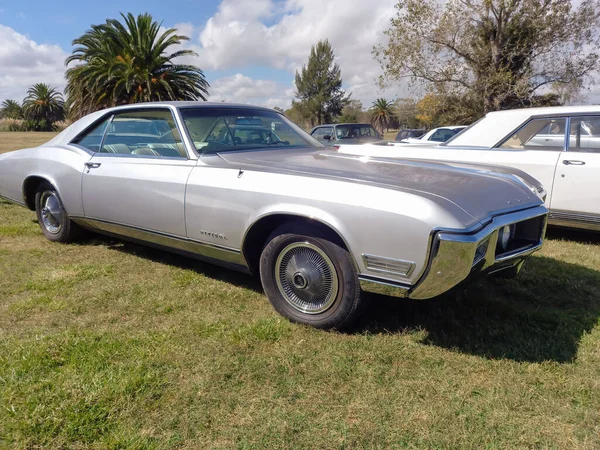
[
  {"x": 173, "y": 259},
  {"x": 539, "y": 316},
  {"x": 574, "y": 234}
]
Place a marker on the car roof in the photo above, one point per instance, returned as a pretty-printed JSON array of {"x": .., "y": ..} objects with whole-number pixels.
[
  {"x": 497, "y": 125},
  {"x": 77, "y": 127}
]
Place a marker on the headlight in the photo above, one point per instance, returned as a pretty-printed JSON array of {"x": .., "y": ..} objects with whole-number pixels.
[{"x": 505, "y": 234}]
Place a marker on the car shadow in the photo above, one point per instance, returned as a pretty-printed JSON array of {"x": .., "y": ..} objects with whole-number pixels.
[
  {"x": 573, "y": 234},
  {"x": 160, "y": 256},
  {"x": 539, "y": 316}
]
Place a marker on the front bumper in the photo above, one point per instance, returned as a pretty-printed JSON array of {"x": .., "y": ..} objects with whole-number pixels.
[{"x": 457, "y": 257}]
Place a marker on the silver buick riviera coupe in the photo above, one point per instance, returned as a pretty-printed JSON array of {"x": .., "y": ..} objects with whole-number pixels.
[{"x": 244, "y": 187}]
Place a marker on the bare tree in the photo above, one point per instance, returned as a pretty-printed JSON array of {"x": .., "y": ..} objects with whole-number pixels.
[{"x": 496, "y": 53}]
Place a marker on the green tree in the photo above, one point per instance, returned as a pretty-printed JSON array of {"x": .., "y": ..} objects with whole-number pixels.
[
  {"x": 43, "y": 106},
  {"x": 319, "y": 85},
  {"x": 382, "y": 114},
  {"x": 298, "y": 114},
  {"x": 495, "y": 53},
  {"x": 11, "y": 109},
  {"x": 120, "y": 63},
  {"x": 353, "y": 112}
]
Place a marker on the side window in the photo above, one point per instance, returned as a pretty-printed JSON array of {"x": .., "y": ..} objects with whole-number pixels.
[
  {"x": 585, "y": 134},
  {"x": 92, "y": 139},
  {"x": 144, "y": 133},
  {"x": 326, "y": 132},
  {"x": 438, "y": 136},
  {"x": 539, "y": 134},
  {"x": 317, "y": 134}
]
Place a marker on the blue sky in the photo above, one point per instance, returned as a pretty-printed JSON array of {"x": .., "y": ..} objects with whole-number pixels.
[
  {"x": 248, "y": 49},
  {"x": 59, "y": 22}
]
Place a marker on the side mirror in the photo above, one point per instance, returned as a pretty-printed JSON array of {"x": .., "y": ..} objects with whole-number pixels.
[{"x": 327, "y": 137}]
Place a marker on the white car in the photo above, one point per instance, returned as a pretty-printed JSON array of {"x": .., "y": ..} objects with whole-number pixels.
[
  {"x": 437, "y": 135},
  {"x": 536, "y": 141}
]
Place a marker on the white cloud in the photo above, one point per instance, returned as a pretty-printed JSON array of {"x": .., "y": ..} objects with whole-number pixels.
[
  {"x": 239, "y": 88},
  {"x": 280, "y": 35},
  {"x": 25, "y": 62}
]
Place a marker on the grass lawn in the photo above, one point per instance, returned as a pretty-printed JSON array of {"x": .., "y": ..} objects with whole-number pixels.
[
  {"x": 105, "y": 344},
  {"x": 16, "y": 140}
]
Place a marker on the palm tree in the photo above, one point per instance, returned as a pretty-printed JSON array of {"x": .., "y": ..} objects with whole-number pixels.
[
  {"x": 10, "y": 109},
  {"x": 44, "y": 105},
  {"x": 382, "y": 114},
  {"x": 129, "y": 63}
]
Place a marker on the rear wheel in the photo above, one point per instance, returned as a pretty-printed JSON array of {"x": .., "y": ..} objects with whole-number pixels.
[
  {"x": 311, "y": 280},
  {"x": 51, "y": 215}
]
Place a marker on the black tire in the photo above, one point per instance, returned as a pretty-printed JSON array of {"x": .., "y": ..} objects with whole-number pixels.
[
  {"x": 330, "y": 305},
  {"x": 52, "y": 217}
]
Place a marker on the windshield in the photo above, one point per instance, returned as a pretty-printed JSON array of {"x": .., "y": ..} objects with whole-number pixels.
[
  {"x": 354, "y": 131},
  {"x": 223, "y": 129}
]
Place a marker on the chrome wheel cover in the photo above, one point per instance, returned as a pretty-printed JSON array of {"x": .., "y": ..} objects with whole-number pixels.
[
  {"x": 51, "y": 213},
  {"x": 306, "y": 278}
]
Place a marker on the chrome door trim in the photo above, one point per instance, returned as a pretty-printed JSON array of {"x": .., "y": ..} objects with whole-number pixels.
[
  {"x": 567, "y": 133},
  {"x": 18, "y": 202},
  {"x": 574, "y": 220},
  {"x": 206, "y": 249}
]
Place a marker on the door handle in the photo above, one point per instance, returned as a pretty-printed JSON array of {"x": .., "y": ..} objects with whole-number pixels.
[
  {"x": 567, "y": 162},
  {"x": 92, "y": 165}
]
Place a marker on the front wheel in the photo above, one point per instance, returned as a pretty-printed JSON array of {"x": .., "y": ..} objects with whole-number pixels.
[
  {"x": 51, "y": 215},
  {"x": 311, "y": 280}
]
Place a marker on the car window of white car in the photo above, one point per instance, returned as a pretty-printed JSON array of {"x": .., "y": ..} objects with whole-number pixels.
[
  {"x": 585, "y": 134},
  {"x": 143, "y": 133},
  {"x": 576, "y": 193},
  {"x": 538, "y": 134}
]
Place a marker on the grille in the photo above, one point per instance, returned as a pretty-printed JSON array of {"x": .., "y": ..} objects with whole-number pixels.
[{"x": 527, "y": 234}]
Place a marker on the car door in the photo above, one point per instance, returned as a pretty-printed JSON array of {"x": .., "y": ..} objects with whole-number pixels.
[
  {"x": 576, "y": 194},
  {"x": 137, "y": 178}
]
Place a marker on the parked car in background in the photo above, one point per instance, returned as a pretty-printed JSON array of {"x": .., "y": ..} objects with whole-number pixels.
[
  {"x": 437, "y": 135},
  {"x": 347, "y": 133},
  {"x": 410, "y": 133},
  {"x": 560, "y": 146}
]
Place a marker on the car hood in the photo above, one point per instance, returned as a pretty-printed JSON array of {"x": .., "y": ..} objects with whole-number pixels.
[{"x": 478, "y": 193}]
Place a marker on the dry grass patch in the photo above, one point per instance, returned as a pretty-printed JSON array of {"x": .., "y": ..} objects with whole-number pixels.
[{"x": 16, "y": 140}]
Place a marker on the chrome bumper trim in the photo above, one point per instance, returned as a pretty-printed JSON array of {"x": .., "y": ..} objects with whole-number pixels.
[
  {"x": 383, "y": 287},
  {"x": 453, "y": 254},
  {"x": 453, "y": 258}
]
